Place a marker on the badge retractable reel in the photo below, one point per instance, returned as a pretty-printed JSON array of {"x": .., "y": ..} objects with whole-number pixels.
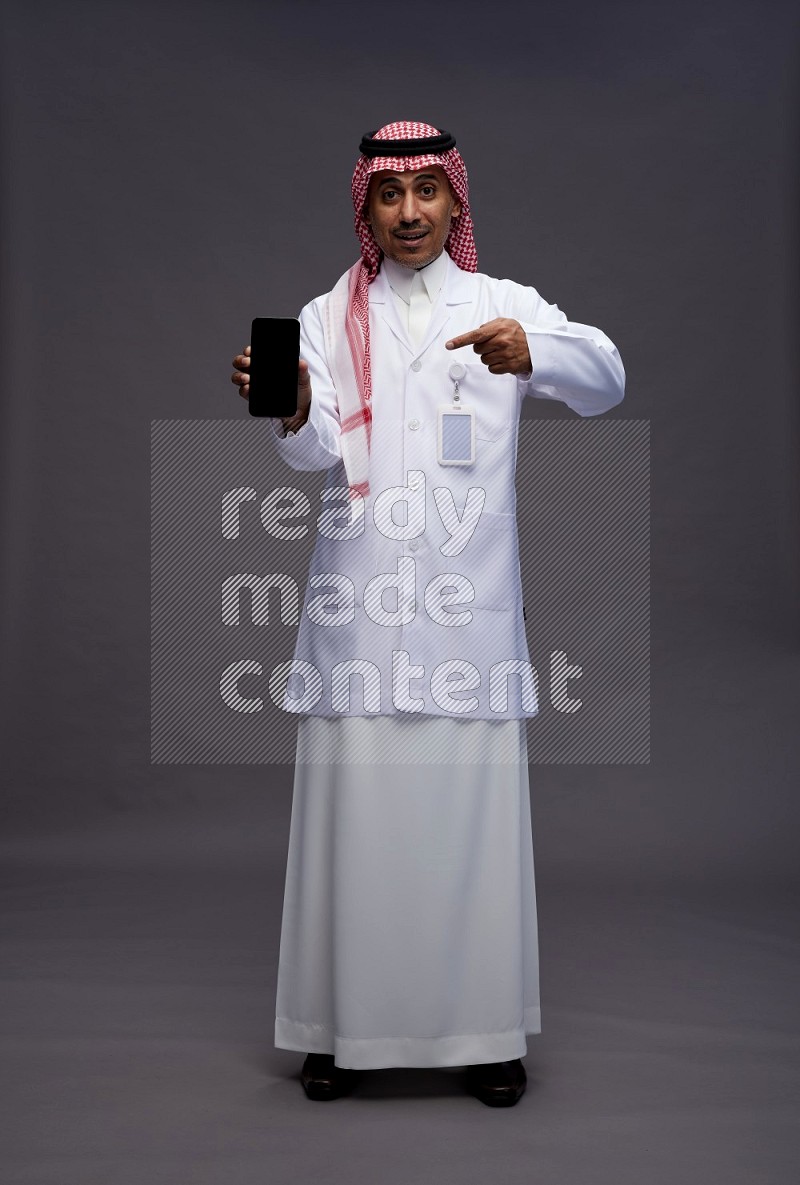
[{"x": 456, "y": 426}]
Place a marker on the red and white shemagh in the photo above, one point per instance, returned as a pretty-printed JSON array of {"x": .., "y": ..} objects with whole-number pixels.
[{"x": 347, "y": 313}]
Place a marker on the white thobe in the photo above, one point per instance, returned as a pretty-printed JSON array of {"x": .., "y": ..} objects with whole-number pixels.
[{"x": 409, "y": 933}]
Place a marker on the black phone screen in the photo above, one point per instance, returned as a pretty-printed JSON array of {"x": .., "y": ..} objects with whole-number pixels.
[{"x": 274, "y": 358}]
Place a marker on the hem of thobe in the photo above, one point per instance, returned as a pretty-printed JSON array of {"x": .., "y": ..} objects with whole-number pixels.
[{"x": 378, "y": 1053}]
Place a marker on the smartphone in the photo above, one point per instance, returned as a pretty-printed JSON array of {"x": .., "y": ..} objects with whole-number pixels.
[{"x": 274, "y": 358}]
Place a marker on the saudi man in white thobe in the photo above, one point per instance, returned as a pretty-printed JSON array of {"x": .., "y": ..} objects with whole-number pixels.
[{"x": 409, "y": 933}]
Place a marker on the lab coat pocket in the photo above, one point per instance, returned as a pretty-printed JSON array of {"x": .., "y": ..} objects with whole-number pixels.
[
  {"x": 490, "y": 562},
  {"x": 492, "y": 396}
]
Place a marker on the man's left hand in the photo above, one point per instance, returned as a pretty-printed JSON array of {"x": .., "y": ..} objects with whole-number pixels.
[{"x": 501, "y": 343}]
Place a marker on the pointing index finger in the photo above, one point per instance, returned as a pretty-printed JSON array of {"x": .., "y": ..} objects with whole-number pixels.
[{"x": 468, "y": 339}]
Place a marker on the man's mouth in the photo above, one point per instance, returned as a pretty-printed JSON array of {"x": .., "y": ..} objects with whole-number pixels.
[{"x": 410, "y": 236}]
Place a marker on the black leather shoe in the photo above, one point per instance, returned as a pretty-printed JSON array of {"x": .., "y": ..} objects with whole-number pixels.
[
  {"x": 322, "y": 1079},
  {"x": 498, "y": 1084}
]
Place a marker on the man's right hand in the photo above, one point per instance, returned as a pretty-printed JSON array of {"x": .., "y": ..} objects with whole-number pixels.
[{"x": 241, "y": 378}]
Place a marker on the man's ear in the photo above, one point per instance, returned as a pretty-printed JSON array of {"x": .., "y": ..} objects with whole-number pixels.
[{"x": 456, "y": 210}]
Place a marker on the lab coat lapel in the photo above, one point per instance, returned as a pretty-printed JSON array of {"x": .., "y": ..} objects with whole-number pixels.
[
  {"x": 455, "y": 291},
  {"x": 380, "y": 296}
]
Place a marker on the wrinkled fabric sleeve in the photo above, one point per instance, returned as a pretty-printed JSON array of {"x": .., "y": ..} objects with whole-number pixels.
[
  {"x": 576, "y": 364},
  {"x": 317, "y": 444}
]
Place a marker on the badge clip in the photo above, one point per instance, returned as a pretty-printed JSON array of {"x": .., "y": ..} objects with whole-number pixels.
[{"x": 455, "y": 438}]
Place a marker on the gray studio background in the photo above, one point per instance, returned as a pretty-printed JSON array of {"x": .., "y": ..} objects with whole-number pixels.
[{"x": 169, "y": 171}]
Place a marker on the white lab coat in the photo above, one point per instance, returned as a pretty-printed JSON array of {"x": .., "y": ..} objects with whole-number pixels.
[{"x": 420, "y": 661}]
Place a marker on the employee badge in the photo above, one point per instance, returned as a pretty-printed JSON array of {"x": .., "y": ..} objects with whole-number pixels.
[{"x": 455, "y": 437}]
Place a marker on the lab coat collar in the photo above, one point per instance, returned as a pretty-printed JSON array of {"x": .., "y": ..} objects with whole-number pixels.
[{"x": 457, "y": 288}]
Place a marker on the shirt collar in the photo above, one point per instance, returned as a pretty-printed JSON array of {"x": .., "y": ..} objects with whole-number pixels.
[{"x": 401, "y": 278}]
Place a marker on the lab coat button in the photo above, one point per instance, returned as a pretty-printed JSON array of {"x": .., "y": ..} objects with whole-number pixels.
[
  {"x": 413, "y": 425},
  {"x": 416, "y": 365},
  {"x": 413, "y": 545}
]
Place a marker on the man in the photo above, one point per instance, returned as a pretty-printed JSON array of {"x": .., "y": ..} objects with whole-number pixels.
[{"x": 409, "y": 933}]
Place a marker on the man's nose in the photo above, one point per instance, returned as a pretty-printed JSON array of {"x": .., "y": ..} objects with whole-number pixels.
[{"x": 409, "y": 211}]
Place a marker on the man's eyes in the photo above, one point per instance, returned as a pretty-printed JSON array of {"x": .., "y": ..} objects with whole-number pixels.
[{"x": 425, "y": 190}]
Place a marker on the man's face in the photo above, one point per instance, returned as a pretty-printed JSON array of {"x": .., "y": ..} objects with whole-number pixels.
[{"x": 410, "y": 214}]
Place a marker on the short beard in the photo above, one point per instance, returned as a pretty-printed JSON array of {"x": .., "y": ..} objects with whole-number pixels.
[{"x": 412, "y": 264}]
